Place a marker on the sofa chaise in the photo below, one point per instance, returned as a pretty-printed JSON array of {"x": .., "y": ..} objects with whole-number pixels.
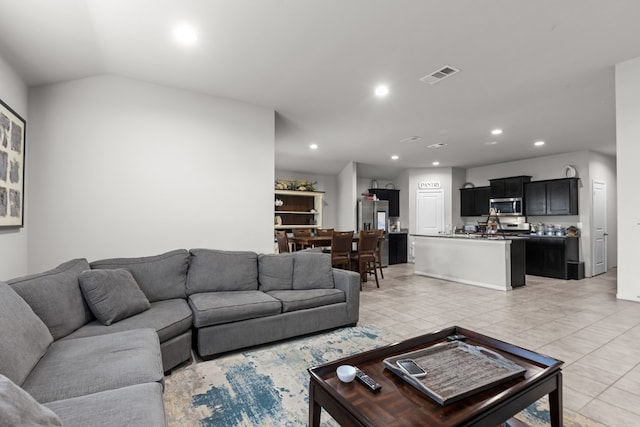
[{"x": 84, "y": 340}]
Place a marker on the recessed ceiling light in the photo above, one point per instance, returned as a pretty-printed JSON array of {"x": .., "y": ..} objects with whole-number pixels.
[
  {"x": 435, "y": 163},
  {"x": 381, "y": 91},
  {"x": 185, "y": 34},
  {"x": 491, "y": 143},
  {"x": 395, "y": 157},
  {"x": 496, "y": 132},
  {"x": 538, "y": 143},
  {"x": 313, "y": 146}
]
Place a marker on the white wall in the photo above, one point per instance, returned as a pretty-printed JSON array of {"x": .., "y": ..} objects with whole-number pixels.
[
  {"x": 628, "y": 153},
  {"x": 326, "y": 183},
  {"x": 124, "y": 168},
  {"x": 13, "y": 241},
  {"x": 347, "y": 197}
]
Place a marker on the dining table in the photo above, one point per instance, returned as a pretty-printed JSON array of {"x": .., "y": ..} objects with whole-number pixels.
[{"x": 314, "y": 241}]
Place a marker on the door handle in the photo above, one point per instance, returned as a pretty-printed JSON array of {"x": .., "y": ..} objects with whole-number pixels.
[{"x": 605, "y": 234}]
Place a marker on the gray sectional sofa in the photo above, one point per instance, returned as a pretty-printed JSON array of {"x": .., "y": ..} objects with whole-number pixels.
[{"x": 82, "y": 341}]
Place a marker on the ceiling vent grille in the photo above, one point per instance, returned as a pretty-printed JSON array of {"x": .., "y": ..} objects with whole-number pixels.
[
  {"x": 411, "y": 139},
  {"x": 437, "y": 145},
  {"x": 439, "y": 75}
]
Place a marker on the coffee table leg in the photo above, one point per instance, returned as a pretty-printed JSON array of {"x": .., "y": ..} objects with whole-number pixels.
[
  {"x": 555, "y": 403},
  {"x": 314, "y": 407}
]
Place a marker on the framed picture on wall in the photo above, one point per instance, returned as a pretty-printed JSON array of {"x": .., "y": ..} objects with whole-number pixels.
[{"x": 12, "y": 151}]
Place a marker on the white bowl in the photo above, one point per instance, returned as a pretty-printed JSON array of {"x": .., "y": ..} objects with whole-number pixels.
[{"x": 346, "y": 373}]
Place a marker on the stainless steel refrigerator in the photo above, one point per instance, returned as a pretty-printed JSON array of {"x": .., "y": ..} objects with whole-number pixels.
[{"x": 375, "y": 214}]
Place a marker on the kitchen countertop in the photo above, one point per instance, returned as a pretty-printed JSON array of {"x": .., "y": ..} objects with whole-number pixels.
[{"x": 497, "y": 236}]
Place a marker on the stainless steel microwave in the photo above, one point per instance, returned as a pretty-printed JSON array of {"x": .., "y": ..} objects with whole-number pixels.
[{"x": 507, "y": 207}]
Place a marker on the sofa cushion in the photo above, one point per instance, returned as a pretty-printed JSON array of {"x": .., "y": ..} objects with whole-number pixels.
[
  {"x": 18, "y": 408},
  {"x": 24, "y": 338},
  {"x": 56, "y": 298},
  {"x": 214, "y": 308},
  {"x": 312, "y": 270},
  {"x": 136, "y": 405},
  {"x": 302, "y": 299},
  {"x": 169, "y": 318},
  {"x": 112, "y": 295},
  {"x": 275, "y": 271},
  {"x": 160, "y": 277},
  {"x": 214, "y": 271},
  {"x": 81, "y": 366}
]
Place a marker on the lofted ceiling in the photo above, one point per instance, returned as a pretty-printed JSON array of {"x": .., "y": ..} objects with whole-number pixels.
[{"x": 539, "y": 70}]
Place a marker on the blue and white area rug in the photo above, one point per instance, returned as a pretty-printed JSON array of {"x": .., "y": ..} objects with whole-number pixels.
[{"x": 267, "y": 386}]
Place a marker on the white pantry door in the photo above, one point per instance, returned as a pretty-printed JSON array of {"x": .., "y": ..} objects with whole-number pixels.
[
  {"x": 430, "y": 212},
  {"x": 599, "y": 225}
]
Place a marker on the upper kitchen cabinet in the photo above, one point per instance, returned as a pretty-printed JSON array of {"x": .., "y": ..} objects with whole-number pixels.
[
  {"x": 508, "y": 187},
  {"x": 474, "y": 201},
  {"x": 551, "y": 197},
  {"x": 393, "y": 196}
]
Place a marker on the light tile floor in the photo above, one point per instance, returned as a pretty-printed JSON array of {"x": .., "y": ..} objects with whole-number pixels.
[{"x": 578, "y": 321}]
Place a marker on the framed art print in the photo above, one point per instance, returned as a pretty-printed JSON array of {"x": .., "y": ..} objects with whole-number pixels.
[{"x": 12, "y": 151}]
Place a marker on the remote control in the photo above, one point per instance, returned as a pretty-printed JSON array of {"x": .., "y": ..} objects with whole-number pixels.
[{"x": 367, "y": 380}]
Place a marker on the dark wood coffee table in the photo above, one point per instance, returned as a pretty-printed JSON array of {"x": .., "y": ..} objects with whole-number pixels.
[{"x": 400, "y": 404}]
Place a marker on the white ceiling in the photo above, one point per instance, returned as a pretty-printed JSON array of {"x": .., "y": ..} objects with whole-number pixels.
[{"x": 539, "y": 69}]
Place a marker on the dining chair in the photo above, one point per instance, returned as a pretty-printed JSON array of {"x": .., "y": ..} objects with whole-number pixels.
[
  {"x": 283, "y": 242},
  {"x": 341, "y": 243},
  {"x": 365, "y": 258},
  {"x": 379, "y": 251},
  {"x": 301, "y": 232}
]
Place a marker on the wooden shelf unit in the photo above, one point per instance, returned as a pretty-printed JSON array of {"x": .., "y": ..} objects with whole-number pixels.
[{"x": 301, "y": 209}]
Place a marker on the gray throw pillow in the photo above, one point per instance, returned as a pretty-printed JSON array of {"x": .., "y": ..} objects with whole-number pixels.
[
  {"x": 18, "y": 408},
  {"x": 56, "y": 298},
  {"x": 24, "y": 338},
  {"x": 112, "y": 295},
  {"x": 275, "y": 272},
  {"x": 312, "y": 271}
]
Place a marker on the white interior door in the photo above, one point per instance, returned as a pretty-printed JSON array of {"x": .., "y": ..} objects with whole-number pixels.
[
  {"x": 430, "y": 212},
  {"x": 599, "y": 223}
]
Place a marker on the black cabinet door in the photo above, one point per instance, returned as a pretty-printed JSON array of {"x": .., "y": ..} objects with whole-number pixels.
[
  {"x": 394, "y": 203},
  {"x": 533, "y": 256},
  {"x": 554, "y": 261},
  {"x": 474, "y": 201},
  {"x": 513, "y": 187},
  {"x": 535, "y": 198},
  {"x": 392, "y": 196},
  {"x": 497, "y": 188},
  {"x": 508, "y": 187},
  {"x": 397, "y": 248},
  {"x": 468, "y": 202},
  {"x": 483, "y": 194},
  {"x": 562, "y": 197}
]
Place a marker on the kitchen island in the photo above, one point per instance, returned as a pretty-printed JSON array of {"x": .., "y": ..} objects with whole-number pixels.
[{"x": 494, "y": 262}]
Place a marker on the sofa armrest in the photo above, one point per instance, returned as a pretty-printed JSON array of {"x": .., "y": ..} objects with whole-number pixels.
[{"x": 349, "y": 282}]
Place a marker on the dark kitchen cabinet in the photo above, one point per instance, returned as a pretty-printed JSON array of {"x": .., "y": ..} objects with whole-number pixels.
[
  {"x": 397, "y": 248},
  {"x": 550, "y": 256},
  {"x": 551, "y": 197},
  {"x": 393, "y": 196},
  {"x": 474, "y": 201},
  {"x": 508, "y": 187}
]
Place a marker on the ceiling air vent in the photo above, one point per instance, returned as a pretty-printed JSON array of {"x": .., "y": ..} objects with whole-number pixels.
[
  {"x": 439, "y": 75},
  {"x": 411, "y": 139},
  {"x": 437, "y": 145}
]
